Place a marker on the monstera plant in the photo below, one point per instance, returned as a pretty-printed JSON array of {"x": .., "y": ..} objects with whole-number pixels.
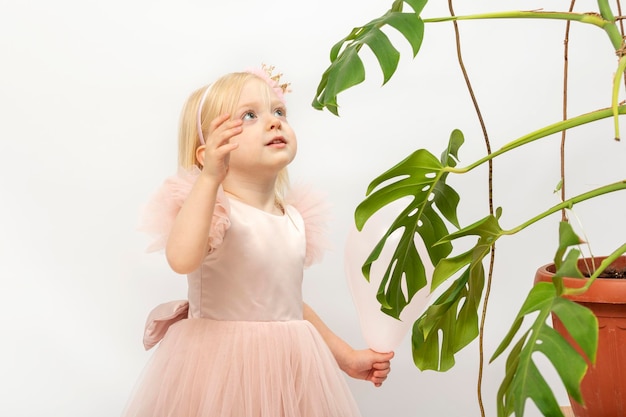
[{"x": 452, "y": 321}]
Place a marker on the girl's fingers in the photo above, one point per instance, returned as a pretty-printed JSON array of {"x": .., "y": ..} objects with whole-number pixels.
[
  {"x": 222, "y": 124},
  {"x": 218, "y": 146},
  {"x": 224, "y": 134},
  {"x": 217, "y": 122},
  {"x": 226, "y": 149},
  {"x": 230, "y": 133},
  {"x": 381, "y": 365}
]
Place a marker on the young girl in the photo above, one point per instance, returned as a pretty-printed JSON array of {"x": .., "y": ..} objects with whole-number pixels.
[{"x": 244, "y": 344}]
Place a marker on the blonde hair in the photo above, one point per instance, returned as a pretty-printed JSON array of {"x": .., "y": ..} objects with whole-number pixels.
[{"x": 222, "y": 97}]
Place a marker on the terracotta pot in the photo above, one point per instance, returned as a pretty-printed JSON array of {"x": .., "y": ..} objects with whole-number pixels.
[{"x": 604, "y": 385}]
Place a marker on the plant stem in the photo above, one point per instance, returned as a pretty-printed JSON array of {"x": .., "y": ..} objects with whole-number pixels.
[
  {"x": 596, "y": 273},
  {"x": 621, "y": 29},
  {"x": 617, "y": 81},
  {"x": 611, "y": 28},
  {"x": 593, "y": 19},
  {"x": 616, "y": 186},
  {"x": 541, "y": 133},
  {"x": 605, "y": 20}
]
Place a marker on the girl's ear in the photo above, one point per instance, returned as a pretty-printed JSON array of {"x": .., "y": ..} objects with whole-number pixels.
[{"x": 200, "y": 154}]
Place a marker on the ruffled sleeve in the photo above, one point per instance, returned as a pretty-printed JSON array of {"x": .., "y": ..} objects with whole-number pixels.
[
  {"x": 161, "y": 211},
  {"x": 315, "y": 211}
]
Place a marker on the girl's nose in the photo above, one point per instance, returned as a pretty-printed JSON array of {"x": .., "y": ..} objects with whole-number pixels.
[{"x": 274, "y": 123}]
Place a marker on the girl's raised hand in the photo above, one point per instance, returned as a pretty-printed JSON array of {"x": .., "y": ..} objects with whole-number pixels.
[{"x": 216, "y": 152}]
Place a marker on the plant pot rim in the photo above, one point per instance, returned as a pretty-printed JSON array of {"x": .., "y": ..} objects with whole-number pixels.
[{"x": 603, "y": 290}]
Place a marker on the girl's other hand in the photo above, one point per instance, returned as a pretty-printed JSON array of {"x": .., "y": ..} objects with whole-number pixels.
[
  {"x": 215, "y": 155},
  {"x": 369, "y": 365}
]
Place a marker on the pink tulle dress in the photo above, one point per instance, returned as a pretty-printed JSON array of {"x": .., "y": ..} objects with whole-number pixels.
[{"x": 239, "y": 347}]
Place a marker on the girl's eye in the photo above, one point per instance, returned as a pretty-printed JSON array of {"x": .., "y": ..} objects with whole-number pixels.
[
  {"x": 280, "y": 112},
  {"x": 249, "y": 115}
]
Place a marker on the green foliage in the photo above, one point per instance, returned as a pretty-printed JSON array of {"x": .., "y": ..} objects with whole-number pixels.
[
  {"x": 451, "y": 322},
  {"x": 346, "y": 69},
  {"x": 568, "y": 266},
  {"x": 523, "y": 380},
  {"x": 422, "y": 177}
]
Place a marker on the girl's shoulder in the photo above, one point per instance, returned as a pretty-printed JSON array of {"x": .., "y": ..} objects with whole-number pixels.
[
  {"x": 315, "y": 210},
  {"x": 161, "y": 210}
]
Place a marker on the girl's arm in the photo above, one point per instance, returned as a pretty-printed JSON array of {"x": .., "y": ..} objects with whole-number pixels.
[
  {"x": 188, "y": 240},
  {"x": 187, "y": 243},
  {"x": 360, "y": 364}
]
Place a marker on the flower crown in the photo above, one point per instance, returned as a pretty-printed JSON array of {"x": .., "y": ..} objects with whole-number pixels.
[
  {"x": 264, "y": 73},
  {"x": 273, "y": 80}
]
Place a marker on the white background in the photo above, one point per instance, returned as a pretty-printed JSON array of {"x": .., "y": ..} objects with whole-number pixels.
[{"x": 90, "y": 93}]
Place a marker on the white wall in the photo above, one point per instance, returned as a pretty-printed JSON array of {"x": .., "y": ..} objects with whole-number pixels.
[{"x": 90, "y": 94}]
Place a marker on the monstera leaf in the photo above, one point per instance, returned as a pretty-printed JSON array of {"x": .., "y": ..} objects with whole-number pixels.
[
  {"x": 451, "y": 322},
  {"x": 523, "y": 380},
  {"x": 346, "y": 69},
  {"x": 421, "y": 176}
]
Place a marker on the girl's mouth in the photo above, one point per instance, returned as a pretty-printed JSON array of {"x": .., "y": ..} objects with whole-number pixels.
[{"x": 277, "y": 141}]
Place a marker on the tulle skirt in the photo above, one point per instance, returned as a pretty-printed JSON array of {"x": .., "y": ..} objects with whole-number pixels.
[{"x": 207, "y": 368}]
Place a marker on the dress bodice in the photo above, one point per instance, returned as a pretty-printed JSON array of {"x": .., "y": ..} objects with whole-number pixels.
[{"x": 256, "y": 273}]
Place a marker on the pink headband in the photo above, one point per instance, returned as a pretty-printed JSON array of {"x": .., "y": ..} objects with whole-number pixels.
[{"x": 264, "y": 73}]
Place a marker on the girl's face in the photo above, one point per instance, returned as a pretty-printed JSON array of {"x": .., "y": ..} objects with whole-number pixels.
[{"x": 267, "y": 143}]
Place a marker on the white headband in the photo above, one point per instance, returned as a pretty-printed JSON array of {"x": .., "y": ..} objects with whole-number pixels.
[{"x": 199, "y": 115}]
